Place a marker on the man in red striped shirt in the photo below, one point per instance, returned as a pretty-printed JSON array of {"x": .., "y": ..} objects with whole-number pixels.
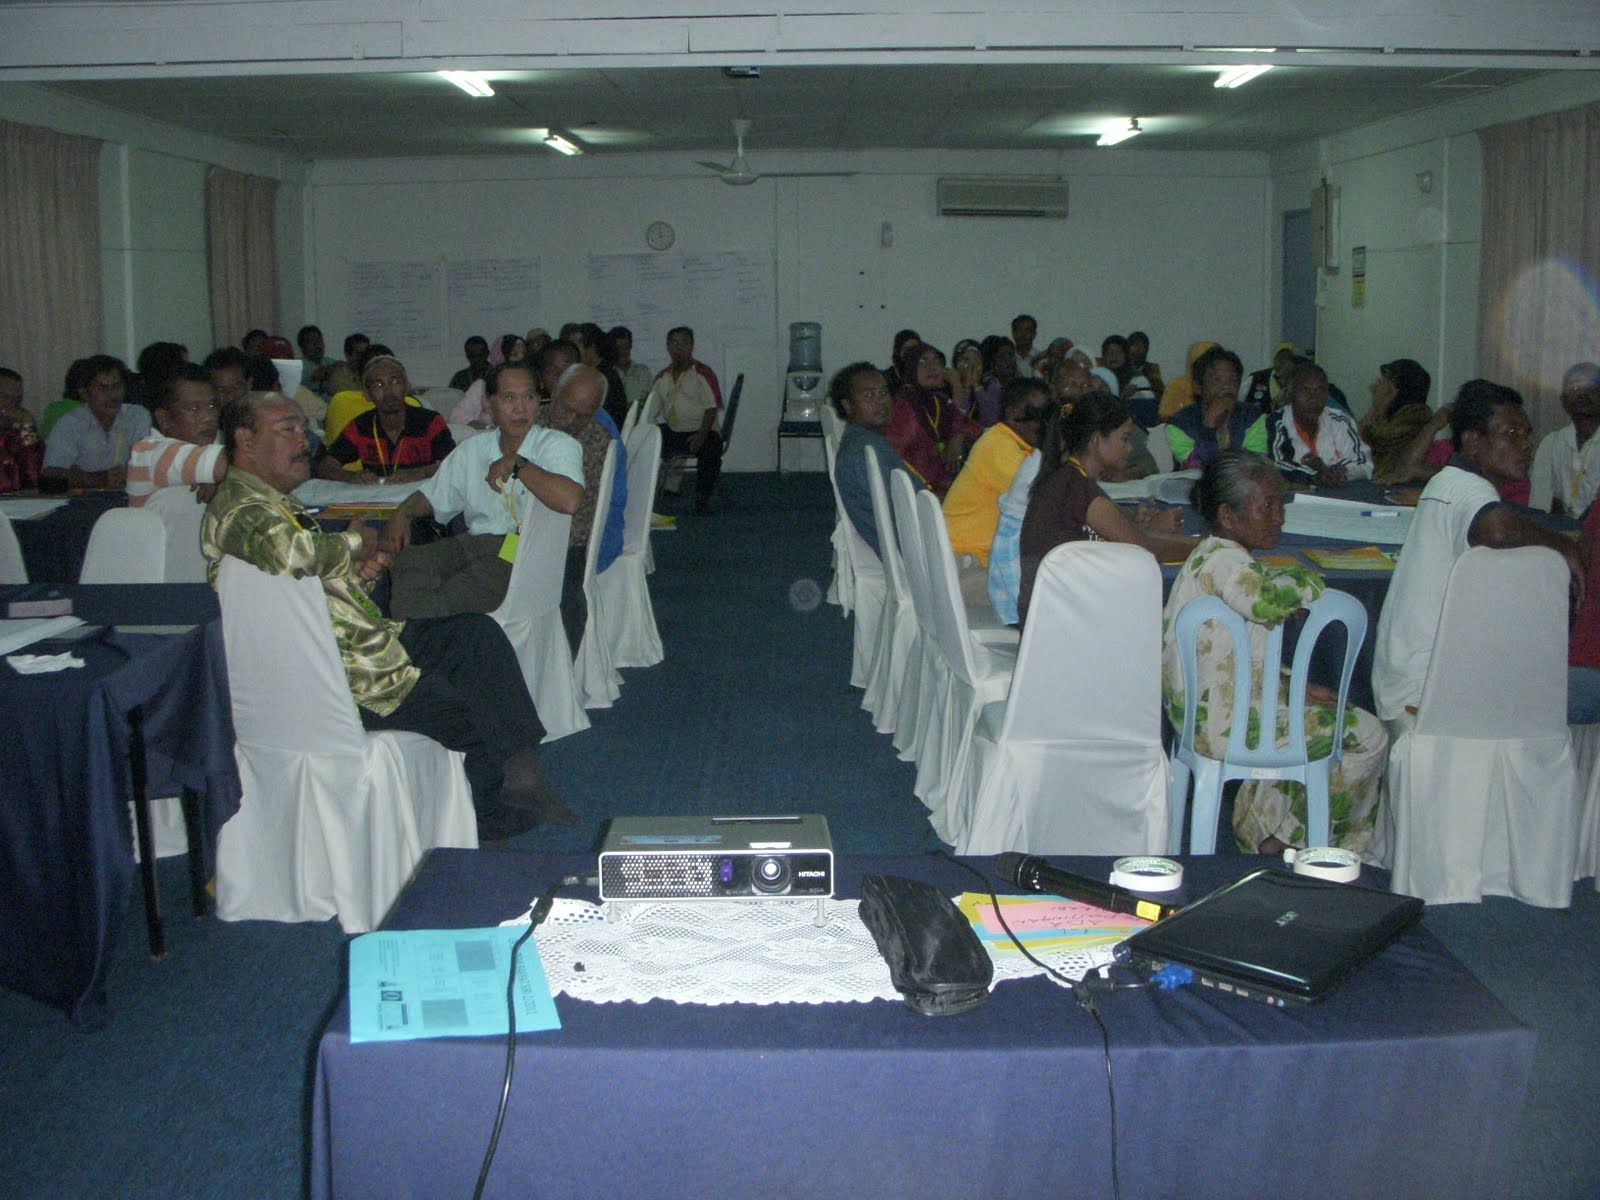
[{"x": 182, "y": 450}]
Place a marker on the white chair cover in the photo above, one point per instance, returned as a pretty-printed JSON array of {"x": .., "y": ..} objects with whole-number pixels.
[
  {"x": 333, "y": 819},
  {"x": 181, "y": 513},
  {"x": 1161, "y": 449},
  {"x": 126, "y": 545},
  {"x": 1586, "y": 750},
  {"x": 924, "y": 668},
  {"x": 530, "y": 614},
  {"x": 630, "y": 618},
  {"x": 841, "y": 584},
  {"x": 973, "y": 675},
  {"x": 462, "y": 432},
  {"x": 630, "y": 422},
  {"x": 599, "y": 683},
  {"x": 891, "y": 681},
  {"x": 12, "y": 568},
  {"x": 1482, "y": 790},
  {"x": 1071, "y": 761},
  {"x": 866, "y": 587}
]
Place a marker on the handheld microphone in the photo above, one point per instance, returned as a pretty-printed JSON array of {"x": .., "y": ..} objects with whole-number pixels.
[{"x": 1034, "y": 874}]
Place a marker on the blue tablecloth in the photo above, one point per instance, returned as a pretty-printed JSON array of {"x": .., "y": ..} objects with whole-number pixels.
[
  {"x": 66, "y": 848},
  {"x": 1408, "y": 1082},
  {"x": 53, "y": 545}
]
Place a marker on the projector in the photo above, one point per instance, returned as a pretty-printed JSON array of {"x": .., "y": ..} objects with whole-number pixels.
[{"x": 717, "y": 858}]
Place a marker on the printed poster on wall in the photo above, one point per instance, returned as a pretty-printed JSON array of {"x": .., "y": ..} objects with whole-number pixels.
[{"x": 1358, "y": 277}]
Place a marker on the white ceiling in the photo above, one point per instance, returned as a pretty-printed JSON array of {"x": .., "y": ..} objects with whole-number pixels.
[{"x": 805, "y": 108}]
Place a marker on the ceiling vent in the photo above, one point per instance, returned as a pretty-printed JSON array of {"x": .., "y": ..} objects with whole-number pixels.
[{"x": 1003, "y": 196}]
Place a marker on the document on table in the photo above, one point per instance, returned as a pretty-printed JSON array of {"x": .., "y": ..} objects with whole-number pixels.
[
  {"x": 22, "y": 508},
  {"x": 1347, "y": 520},
  {"x": 422, "y": 983}
]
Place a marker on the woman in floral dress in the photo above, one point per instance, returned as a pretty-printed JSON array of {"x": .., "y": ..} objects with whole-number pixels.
[{"x": 1240, "y": 498}]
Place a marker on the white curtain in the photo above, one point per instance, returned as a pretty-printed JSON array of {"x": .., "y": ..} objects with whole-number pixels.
[
  {"x": 242, "y": 254},
  {"x": 1539, "y": 278},
  {"x": 50, "y": 303}
]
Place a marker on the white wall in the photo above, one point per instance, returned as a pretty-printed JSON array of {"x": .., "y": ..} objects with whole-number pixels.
[
  {"x": 1422, "y": 248},
  {"x": 152, "y": 221},
  {"x": 1171, "y": 243}
]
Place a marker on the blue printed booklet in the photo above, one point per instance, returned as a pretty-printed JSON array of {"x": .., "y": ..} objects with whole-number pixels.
[{"x": 424, "y": 983}]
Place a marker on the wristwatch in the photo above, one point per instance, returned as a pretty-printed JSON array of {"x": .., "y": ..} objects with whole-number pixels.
[{"x": 516, "y": 466}]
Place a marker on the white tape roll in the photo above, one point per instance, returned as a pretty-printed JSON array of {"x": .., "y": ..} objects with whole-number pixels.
[
  {"x": 1147, "y": 874},
  {"x": 1324, "y": 862}
]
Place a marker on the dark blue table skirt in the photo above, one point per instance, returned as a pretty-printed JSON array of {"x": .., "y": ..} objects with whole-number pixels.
[
  {"x": 66, "y": 846},
  {"x": 53, "y": 545},
  {"x": 1408, "y": 1081}
]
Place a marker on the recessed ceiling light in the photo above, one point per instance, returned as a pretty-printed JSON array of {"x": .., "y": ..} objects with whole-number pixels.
[
  {"x": 1232, "y": 77},
  {"x": 1120, "y": 133},
  {"x": 473, "y": 83},
  {"x": 560, "y": 144}
]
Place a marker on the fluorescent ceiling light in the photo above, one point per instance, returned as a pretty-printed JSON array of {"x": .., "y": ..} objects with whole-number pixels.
[
  {"x": 1120, "y": 133},
  {"x": 558, "y": 143},
  {"x": 470, "y": 82},
  {"x": 1232, "y": 77}
]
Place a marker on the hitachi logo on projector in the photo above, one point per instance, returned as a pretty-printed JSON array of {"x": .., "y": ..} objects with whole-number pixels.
[{"x": 717, "y": 858}]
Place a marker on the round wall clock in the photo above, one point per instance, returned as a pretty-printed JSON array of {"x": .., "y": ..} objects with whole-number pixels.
[{"x": 660, "y": 236}]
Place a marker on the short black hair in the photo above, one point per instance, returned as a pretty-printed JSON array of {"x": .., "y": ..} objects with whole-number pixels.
[
  {"x": 1139, "y": 335},
  {"x": 684, "y": 329},
  {"x": 843, "y": 380},
  {"x": 166, "y": 392},
  {"x": 95, "y": 364},
  {"x": 1021, "y": 317},
  {"x": 227, "y": 356},
  {"x": 1018, "y": 393},
  {"x": 370, "y": 353},
  {"x": 8, "y": 373},
  {"x": 352, "y": 341},
  {"x": 1214, "y": 355},
  {"x": 157, "y": 360},
  {"x": 254, "y": 333},
  {"x": 476, "y": 339},
  {"x": 620, "y": 331},
  {"x": 261, "y": 373},
  {"x": 594, "y": 336},
  {"x": 1115, "y": 339},
  {"x": 491, "y": 379},
  {"x": 1475, "y": 403}
]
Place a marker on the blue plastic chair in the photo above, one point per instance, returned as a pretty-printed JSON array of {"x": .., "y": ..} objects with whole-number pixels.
[{"x": 1267, "y": 760}]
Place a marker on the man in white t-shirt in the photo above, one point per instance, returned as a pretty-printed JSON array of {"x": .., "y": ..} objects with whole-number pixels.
[
  {"x": 1460, "y": 507},
  {"x": 470, "y": 572},
  {"x": 183, "y": 450},
  {"x": 1566, "y": 467}
]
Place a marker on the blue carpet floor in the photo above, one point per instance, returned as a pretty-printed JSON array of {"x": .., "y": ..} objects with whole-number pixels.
[{"x": 198, "y": 1087}]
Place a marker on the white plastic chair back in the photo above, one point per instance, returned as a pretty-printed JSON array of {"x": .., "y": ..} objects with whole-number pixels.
[
  {"x": 1267, "y": 759},
  {"x": 333, "y": 820},
  {"x": 1075, "y": 766},
  {"x": 462, "y": 433},
  {"x": 866, "y": 586},
  {"x": 624, "y": 586},
  {"x": 889, "y": 677},
  {"x": 12, "y": 567},
  {"x": 530, "y": 614},
  {"x": 1161, "y": 449},
  {"x": 630, "y": 422},
  {"x": 126, "y": 545},
  {"x": 832, "y": 426},
  {"x": 181, "y": 513},
  {"x": 842, "y": 586},
  {"x": 948, "y": 610},
  {"x": 599, "y": 684},
  {"x": 913, "y": 554},
  {"x": 1483, "y": 789}
]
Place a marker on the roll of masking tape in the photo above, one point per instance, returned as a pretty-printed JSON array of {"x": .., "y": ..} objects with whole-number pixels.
[
  {"x": 1324, "y": 862},
  {"x": 1146, "y": 874}
]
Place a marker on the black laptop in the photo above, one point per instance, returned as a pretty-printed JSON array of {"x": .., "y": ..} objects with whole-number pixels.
[{"x": 1276, "y": 937}]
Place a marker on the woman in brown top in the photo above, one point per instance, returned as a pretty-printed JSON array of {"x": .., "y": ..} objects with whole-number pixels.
[
  {"x": 1398, "y": 415},
  {"x": 1085, "y": 441}
]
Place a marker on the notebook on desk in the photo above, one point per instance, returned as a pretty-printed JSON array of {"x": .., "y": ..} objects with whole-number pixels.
[{"x": 1276, "y": 937}]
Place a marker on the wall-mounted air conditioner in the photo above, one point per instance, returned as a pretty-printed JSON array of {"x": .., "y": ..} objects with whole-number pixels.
[{"x": 1003, "y": 196}]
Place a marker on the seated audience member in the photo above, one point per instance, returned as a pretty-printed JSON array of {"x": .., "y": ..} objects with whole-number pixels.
[
  {"x": 183, "y": 450},
  {"x": 1216, "y": 419},
  {"x": 392, "y": 440},
  {"x": 536, "y": 340},
  {"x": 228, "y": 369},
  {"x": 1048, "y": 361},
  {"x": 1179, "y": 393},
  {"x": 254, "y": 342},
  {"x": 1240, "y": 498},
  {"x": 551, "y": 364},
  {"x": 1114, "y": 357},
  {"x": 470, "y": 572},
  {"x": 509, "y": 349},
  {"x": 1139, "y": 360},
  {"x": 575, "y": 410},
  {"x": 155, "y": 362},
  {"x": 345, "y": 374},
  {"x": 89, "y": 445},
  {"x": 925, "y": 426},
  {"x": 972, "y": 395},
  {"x": 476, "y": 349},
  {"x": 1265, "y": 388},
  {"x": 1071, "y": 380},
  {"x": 1024, "y": 332},
  {"x": 351, "y": 402},
  {"x": 1310, "y": 442},
  {"x": 594, "y": 350},
  {"x": 454, "y": 679},
  {"x": 315, "y": 364},
  {"x": 1085, "y": 442},
  {"x": 972, "y": 505},
  {"x": 690, "y": 400},
  {"x": 1566, "y": 467},
  {"x": 1460, "y": 507},
  {"x": 894, "y": 374},
  {"x": 636, "y": 377},
  {"x": 21, "y": 448},
  {"x": 862, "y": 397},
  {"x": 1001, "y": 364},
  {"x": 1398, "y": 413}
]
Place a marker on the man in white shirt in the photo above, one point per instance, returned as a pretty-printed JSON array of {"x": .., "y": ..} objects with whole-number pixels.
[
  {"x": 690, "y": 398},
  {"x": 1460, "y": 507},
  {"x": 636, "y": 377},
  {"x": 88, "y": 446},
  {"x": 1310, "y": 442},
  {"x": 1566, "y": 467},
  {"x": 470, "y": 572},
  {"x": 183, "y": 451}
]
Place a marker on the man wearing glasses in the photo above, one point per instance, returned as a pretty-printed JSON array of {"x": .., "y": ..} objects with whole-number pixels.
[{"x": 182, "y": 450}]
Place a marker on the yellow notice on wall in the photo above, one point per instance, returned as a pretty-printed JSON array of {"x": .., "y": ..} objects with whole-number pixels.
[{"x": 1358, "y": 277}]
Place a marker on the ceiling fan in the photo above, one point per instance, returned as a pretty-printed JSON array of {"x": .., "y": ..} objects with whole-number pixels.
[{"x": 739, "y": 173}]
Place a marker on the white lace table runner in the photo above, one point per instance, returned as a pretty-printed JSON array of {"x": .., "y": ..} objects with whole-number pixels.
[{"x": 736, "y": 953}]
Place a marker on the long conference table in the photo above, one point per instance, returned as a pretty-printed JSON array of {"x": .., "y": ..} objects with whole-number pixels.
[
  {"x": 153, "y": 678},
  {"x": 1409, "y": 1081}
]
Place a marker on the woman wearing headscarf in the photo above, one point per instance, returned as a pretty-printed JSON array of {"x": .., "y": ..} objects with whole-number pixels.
[
  {"x": 1240, "y": 498},
  {"x": 1398, "y": 414},
  {"x": 926, "y": 428}
]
